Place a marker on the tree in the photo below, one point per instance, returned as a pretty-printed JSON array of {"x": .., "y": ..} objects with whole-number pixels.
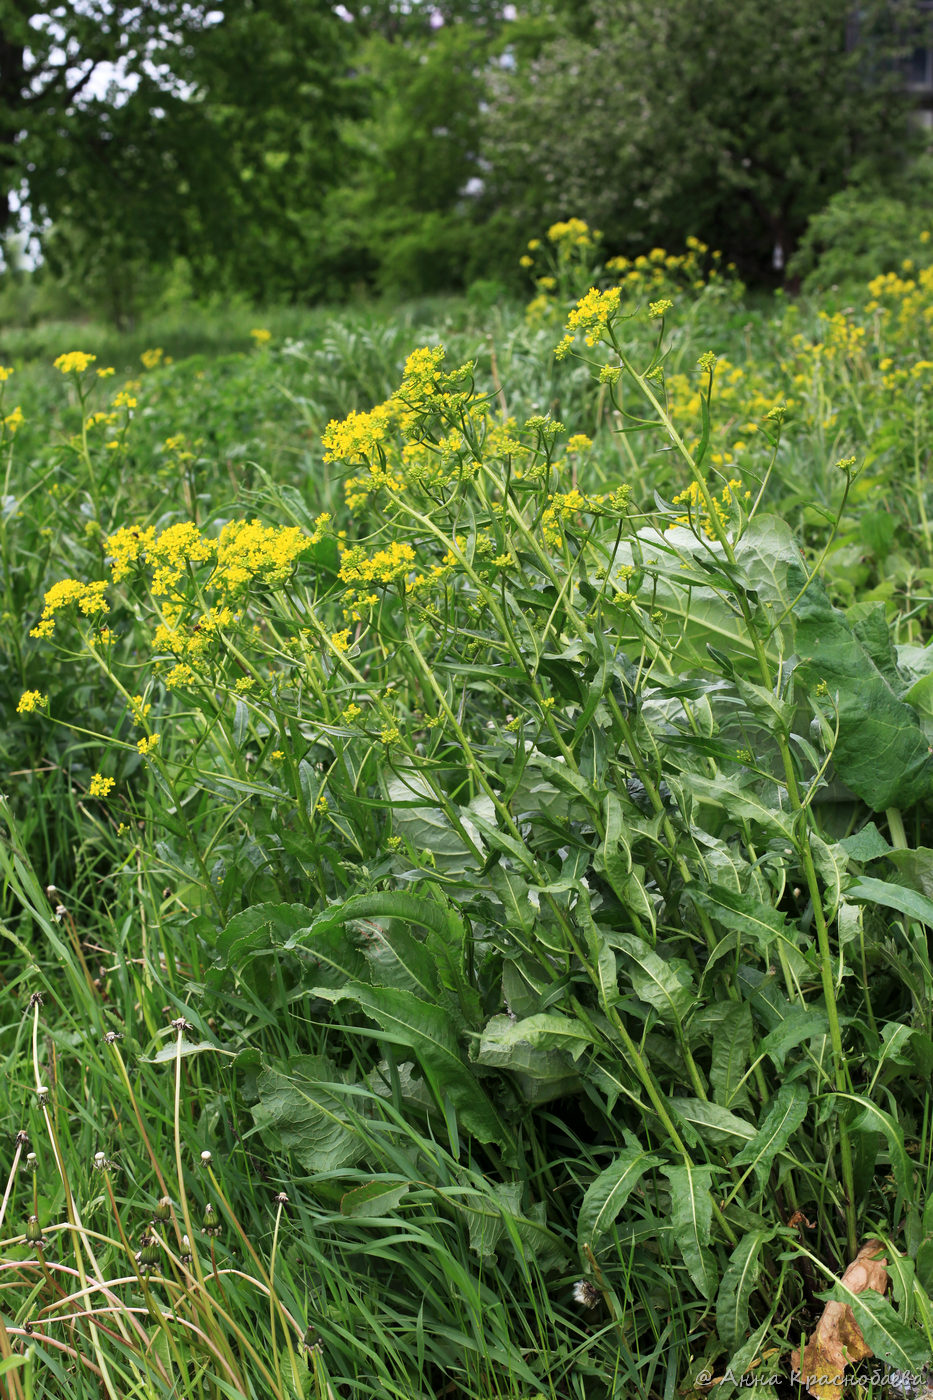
[
  {"x": 730, "y": 120},
  {"x": 214, "y": 139}
]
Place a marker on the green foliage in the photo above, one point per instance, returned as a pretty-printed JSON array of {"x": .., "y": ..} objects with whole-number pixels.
[
  {"x": 866, "y": 229},
  {"x": 732, "y": 123},
  {"x": 508, "y": 843}
]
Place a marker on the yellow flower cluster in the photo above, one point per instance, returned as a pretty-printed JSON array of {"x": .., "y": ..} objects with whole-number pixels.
[
  {"x": 146, "y": 746},
  {"x": 390, "y": 565},
  {"x": 248, "y": 551},
  {"x": 591, "y": 315},
  {"x": 573, "y": 233},
  {"x": 74, "y": 362},
  {"x": 14, "y": 420},
  {"x": 31, "y": 700},
  {"x": 261, "y": 336},
  {"x": 70, "y": 592},
  {"x": 4, "y": 374},
  {"x": 359, "y": 435},
  {"x": 698, "y": 516},
  {"x": 152, "y": 358},
  {"x": 100, "y": 786}
]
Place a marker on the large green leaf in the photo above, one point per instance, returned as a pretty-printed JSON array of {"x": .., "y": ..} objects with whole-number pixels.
[
  {"x": 738, "y": 1283},
  {"x": 691, "y": 1218},
  {"x": 763, "y": 924},
  {"x": 881, "y": 753},
  {"x": 785, "y": 1116},
  {"x": 873, "y": 1119},
  {"x": 891, "y": 1340},
  {"x": 606, "y": 1196},
  {"x": 297, "y": 1110},
  {"x": 731, "y": 1053},
  {"x": 426, "y": 1030},
  {"x": 506, "y": 1041},
  {"x": 905, "y": 901},
  {"x": 665, "y": 984},
  {"x": 714, "y": 1123}
]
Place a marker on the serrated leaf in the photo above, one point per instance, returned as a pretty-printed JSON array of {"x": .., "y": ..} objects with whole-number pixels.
[
  {"x": 738, "y": 1284},
  {"x": 606, "y": 1196}
]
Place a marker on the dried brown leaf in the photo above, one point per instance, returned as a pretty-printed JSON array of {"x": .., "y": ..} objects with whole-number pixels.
[{"x": 837, "y": 1341}]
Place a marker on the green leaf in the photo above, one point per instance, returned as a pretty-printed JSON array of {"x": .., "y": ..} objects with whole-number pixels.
[
  {"x": 732, "y": 1048},
  {"x": 606, "y": 1196},
  {"x": 714, "y": 1123},
  {"x": 889, "y": 1337},
  {"x": 867, "y": 844},
  {"x": 667, "y": 985},
  {"x": 905, "y": 901},
  {"x": 738, "y": 1284},
  {"x": 691, "y": 1218},
  {"x": 177, "y": 1051},
  {"x": 873, "y": 1119},
  {"x": 374, "y": 1198},
  {"x": 505, "y": 1041},
  {"x": 424, "y": 825},
  {"x": 748, "y": 916},
  {"x": 298, "y": 1109},
  {"x": 614, "y": 858},
  {"x": 799, "y": 1025},
  {"x": 881, "y": 753},
  {"x": 785, "y": 1116},
  {"x": 427, "y": 1031}
]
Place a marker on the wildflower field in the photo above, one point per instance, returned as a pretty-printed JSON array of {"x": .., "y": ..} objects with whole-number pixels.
[{"x": 466, "y": 848}]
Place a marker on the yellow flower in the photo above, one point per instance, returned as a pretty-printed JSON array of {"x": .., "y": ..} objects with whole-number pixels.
[
  {"x": 74, "y": 362},
  {"x": 88, "y": 597},
  {"x": 657, "y": 309},
  {"x": 4, "y": 373},
  {"x": 100, "y": 786},
  {"x": 15, "y": 419},
  {"x": 138, "y": 709},
  {"x": 261, "y": 337},
  {"x": 106, "y": 373},
  {"x": 146, "y": 746},
  {"x": 31, "y": 700},
  {"x": 526, "y": 261},
  {"x": 152, "y": 358},
  {"x": 340, "y": 641},
  {"x": 124, "y": 400}
]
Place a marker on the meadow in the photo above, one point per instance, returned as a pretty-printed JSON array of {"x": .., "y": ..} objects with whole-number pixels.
[{"x": 466, "y": 850}]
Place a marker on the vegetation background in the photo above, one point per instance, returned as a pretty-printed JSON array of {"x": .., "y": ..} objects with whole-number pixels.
[{"x": 465, "y": 575}]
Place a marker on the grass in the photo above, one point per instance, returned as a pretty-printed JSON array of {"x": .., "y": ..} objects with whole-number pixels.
[{"x": 466, "y": 866}]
